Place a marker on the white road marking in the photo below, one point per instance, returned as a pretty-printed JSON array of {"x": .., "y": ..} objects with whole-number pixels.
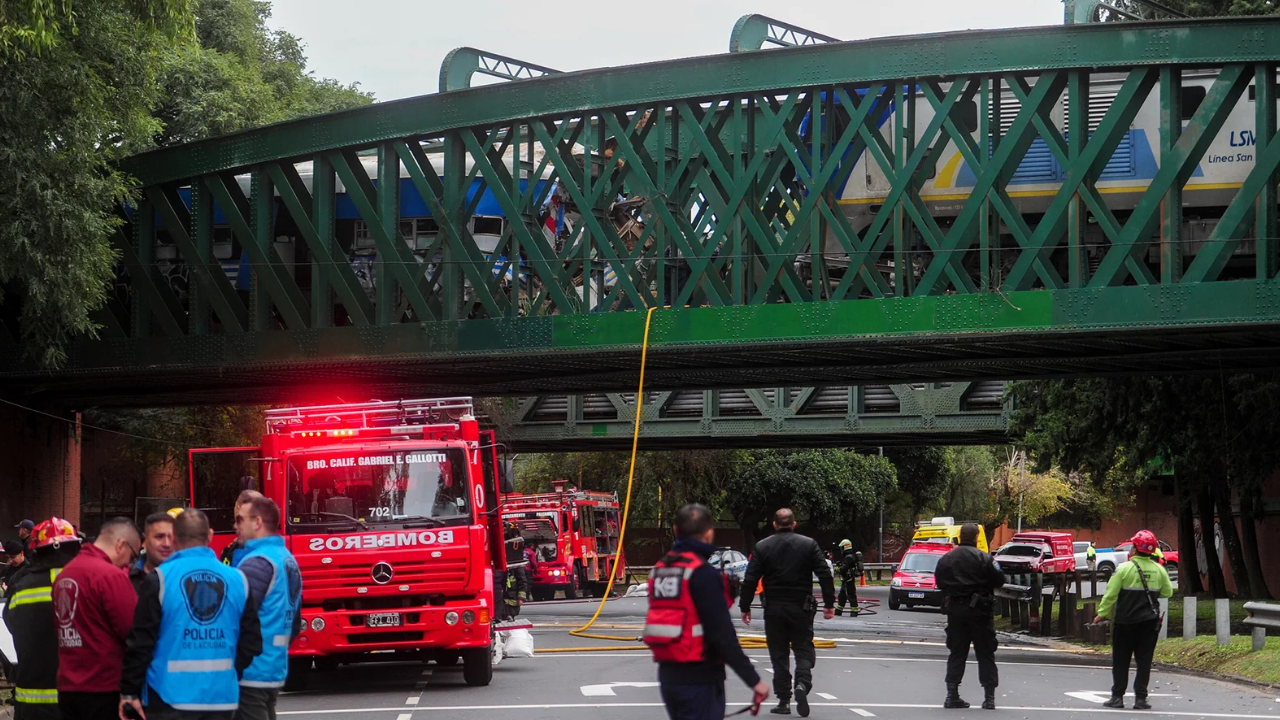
[
  {"x": 606, "y": 690},
  {"x": 862, "y": 712},
  {"x": 827, "y": 696},
  {"x": 412, "y": 701},
  {"x": 900, "y": 706},
  {"x": 404, "y": 716},
  {"x": 1101, "y": 696},
  {"x": 769, "y": 670}
]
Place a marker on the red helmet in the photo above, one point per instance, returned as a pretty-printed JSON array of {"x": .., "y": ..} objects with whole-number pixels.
[
  {"x": 1144, "y": 542},
  {"x": 53, "y": 531}
]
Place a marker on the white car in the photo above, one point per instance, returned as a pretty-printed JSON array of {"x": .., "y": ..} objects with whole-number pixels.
[
  {"x": 1108, "y": 559},
  {"x": 730, "y": 562}
]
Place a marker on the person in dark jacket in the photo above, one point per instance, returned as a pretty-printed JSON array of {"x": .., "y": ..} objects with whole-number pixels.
[
  {"x": 787, "y": 562},
  {"x": 850, "y": 573},
  {"x": 1132, "y": 603},
  {"x": 30, "y": 619},
  {"x": 17, "y": 558},
  {"x": 968, "y": 578},
  {"x": 157, "y": 546},
  {"x": 691, "y": 666},
  {"x": 194, "y": 633},
  {"x": 517, "y": 584},
  {"x": 232, "y": 551},
  {"x": 93, "y": 605}
]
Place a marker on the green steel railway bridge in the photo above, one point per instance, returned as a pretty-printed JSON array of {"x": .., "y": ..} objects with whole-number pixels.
[{"x": 714, "y": 189}]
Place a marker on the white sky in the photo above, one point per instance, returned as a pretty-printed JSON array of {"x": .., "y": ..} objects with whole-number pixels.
[{"x": 394, "y": 47}]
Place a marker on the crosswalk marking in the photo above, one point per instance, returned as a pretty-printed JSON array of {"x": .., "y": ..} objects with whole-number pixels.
[
  {"x": 862, "y": 712},
  {"x": 826, "y": 696}
]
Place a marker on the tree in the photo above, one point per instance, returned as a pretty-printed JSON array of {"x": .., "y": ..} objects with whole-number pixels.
[
  {"x": 80, "y": 80},
  {"x": 1217, "y": 432}
]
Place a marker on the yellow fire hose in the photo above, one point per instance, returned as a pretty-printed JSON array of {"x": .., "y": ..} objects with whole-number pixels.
[{"x": 751, "y": 643}]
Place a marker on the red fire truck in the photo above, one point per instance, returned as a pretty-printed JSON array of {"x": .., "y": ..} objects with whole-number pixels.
[
  {"x": 391, "y": 511},
  {"x": 574, "y": 534}
]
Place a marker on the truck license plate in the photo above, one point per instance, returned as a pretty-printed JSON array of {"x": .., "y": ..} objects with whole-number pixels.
[
  {"x": 382, "y": 620},
  {"x": 910, "y": 595}
]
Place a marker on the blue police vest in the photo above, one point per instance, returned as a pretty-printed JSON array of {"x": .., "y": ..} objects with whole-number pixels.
[
  {"x": 201, "y": 601},
  {"x": 280, "y": 606}
]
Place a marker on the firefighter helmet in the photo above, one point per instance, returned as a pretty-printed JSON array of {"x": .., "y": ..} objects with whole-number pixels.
[
  {"x": 53, "y": 532},
  {"x": 173, "y": 512},
  {"x": 846, "y": 544},
  {"x": 1145, "y": 542}
]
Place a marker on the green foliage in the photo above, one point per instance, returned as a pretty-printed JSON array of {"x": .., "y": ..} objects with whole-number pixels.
[
  {"x": 172, "y": 431},
  {"x": 1218, "y": 8},
  {"x": 37, "y": 26}
]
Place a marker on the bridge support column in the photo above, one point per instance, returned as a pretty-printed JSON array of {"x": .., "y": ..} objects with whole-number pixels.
[{"x": 39, "y": 466}]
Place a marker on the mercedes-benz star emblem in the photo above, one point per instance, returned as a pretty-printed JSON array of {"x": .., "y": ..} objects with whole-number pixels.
[{"x": 382, "y": 573}]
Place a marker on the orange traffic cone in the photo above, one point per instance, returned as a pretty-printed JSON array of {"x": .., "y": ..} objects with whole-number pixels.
[{"x": 864, "y": 579}]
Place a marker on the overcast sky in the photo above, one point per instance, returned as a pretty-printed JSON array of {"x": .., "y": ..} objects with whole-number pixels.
[{"x": 394, "y": 47}]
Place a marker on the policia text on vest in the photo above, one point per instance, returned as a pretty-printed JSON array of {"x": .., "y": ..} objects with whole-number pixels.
[{"x": 195, "y": 632}]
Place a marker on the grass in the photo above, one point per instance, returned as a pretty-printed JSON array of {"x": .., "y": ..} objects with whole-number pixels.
[{"x": 1234, "y": 659}]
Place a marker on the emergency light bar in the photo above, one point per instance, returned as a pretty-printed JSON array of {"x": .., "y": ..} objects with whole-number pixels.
[{"x": 344, "y": 420}]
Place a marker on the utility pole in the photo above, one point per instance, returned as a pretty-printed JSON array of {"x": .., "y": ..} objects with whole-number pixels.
[{"x": 880, "y": 543}]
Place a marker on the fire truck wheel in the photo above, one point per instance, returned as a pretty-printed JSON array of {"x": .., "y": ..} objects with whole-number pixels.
[
  {"x": 477, "y": 666},
  {"x": 573, "y": 591},
  {"x": 543, "y": 594},
  {"x": 299, "y": 674}
]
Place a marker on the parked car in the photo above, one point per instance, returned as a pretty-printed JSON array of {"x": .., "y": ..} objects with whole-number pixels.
[
  {"x": 913, "y": 582},
  {"x": 1108, "y": 559},
  {"x": 1047, "y": 552},
  {"x": 1170, "y": 559},
  {"x": 730, "y": 562}
]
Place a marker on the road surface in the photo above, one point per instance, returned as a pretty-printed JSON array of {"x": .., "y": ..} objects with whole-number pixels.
[{"x": 888, "y": 665}]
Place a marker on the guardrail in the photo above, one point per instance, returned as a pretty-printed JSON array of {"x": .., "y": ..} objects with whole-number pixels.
[
  {"x": 878, "y": 569},
  {"x": 1262, "y": 617}
]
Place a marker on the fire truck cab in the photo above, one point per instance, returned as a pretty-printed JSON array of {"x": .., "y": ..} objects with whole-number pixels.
[
  {"x": 391, "y": 511},
  {"x": 574, "y": 534}
]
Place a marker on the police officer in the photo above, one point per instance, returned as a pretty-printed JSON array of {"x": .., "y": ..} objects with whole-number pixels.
[
  {"x": 787, "y": 562},
  {"x": 30, "y": 617},
  {"x": 1091, "y": 556},
  {"x": 688, "y": 595},
  {"x": 194, "y": 633},
  {"x": 968, "y": 578},
  {"x": 232, "y": 552},
  {"x": 275, "y": 588},
  {"x": 1131, "y": 602},
  {"x": 850, "y": 572}
]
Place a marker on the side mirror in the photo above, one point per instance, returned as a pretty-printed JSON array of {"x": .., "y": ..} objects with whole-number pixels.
[{"x": 506, "y": 476}]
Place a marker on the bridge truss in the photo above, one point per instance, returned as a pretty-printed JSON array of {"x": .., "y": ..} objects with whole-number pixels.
[{"x": 728, "y": 173}]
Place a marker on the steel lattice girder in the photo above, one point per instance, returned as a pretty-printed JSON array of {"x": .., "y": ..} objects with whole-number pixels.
[
  {"x": 736, "y": 162},
  {"x": 946, "y": 413}
]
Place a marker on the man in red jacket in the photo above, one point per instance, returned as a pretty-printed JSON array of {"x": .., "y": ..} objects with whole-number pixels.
[{"x": 93, "y": 603}]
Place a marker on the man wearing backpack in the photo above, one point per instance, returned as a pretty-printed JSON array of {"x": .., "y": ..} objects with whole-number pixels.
[{"x": 1131, "y": 603}]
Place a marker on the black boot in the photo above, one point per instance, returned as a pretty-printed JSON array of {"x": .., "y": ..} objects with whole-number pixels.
[
  {"x": 953, "y": 697},
  {"x": 784, "y": 707},
  {"x": 1140, "y": 703},
  {"x": 1115, "y": 702},
  {"x": 989, "y": 701},
  {"x": 839, "y": 611},
  {"x": 802, "y": 699}
]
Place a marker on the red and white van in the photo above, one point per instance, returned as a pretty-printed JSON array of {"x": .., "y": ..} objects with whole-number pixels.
[
  {"x": 913, "y": 582},
  {"x": 1047, "y": 552}
]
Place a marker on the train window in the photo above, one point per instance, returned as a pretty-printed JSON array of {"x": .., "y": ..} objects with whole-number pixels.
[
  {"x": 363, "y": 238},
  {"x": 488, "y": 226},
  {"x": 967, "y": 114},
  {"x": 1192, "y": 96}
]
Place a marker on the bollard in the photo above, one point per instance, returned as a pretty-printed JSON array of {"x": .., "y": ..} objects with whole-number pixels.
[
  {"x": 1222, "y": 620},
  {"x": 1259, "y": 639},
  {"x": 1087, "y": 614},
  {"x": 1164, "y": 614},
  {"x": 1004, "y": 608},
  {"x": 1189, "y": 617},
  {"x": 1037, "y": 589},
  {"x": 1046, "y": 616},
  {"x": 1069, "y": 614},
  {"x": 1025, "y": 612}
]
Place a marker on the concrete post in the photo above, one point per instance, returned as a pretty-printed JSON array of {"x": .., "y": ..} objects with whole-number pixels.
[
  {"x": 1222, "y": 620},
  {"x": 1189, "y": 617},
  {"x": 1164, "y": 613},
  {"x": 1259, "y": 638}
]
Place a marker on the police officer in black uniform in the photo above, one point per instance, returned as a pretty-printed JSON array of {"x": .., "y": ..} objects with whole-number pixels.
[
  {"x": 787, "y": 562},
  {"x": 968, "y": 578}
]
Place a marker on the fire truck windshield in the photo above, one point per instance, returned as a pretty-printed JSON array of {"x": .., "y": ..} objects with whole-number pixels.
[{"x": 410, "y": 487}]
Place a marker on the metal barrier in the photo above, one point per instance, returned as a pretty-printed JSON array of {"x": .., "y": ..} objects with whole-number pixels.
[
  {"x": 878, "y": 568},
  {"x": 1262, "y": 617}
]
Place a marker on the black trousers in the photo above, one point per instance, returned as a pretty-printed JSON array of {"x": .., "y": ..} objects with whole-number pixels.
[
  {"x": 788, "y": 628},
  {"x": 1137, "y": 641},
  {"x": 89, "y": 705},
  {"x": 694, "y": 702},
  {"x": 979, "y": 630},
  {"x": 848, "y": 592}
]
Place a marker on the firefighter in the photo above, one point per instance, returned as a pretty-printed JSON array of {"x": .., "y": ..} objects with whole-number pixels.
[
  {"x": 850, "y": 572},
  {"x": 968, "y": 579},
  {"x": 30, "y": 619},
  {"x": 517, "y": 581},
  {"x": 1131, "y": 602},
  {"x": 786, "y": 563},
  {"x": 688, "y": 627}
]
